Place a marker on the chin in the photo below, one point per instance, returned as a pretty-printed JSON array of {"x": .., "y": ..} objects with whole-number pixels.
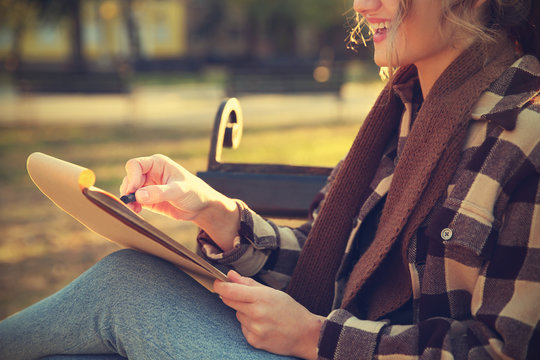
[
  {"x": 379, "y": 61},
  {"x": 381, "y": 58}
]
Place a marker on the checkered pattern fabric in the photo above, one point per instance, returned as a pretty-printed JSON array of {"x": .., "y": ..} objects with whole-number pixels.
[{"x": 474, "y": 263}]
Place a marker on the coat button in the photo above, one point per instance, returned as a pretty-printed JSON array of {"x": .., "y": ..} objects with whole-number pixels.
[{"x": 446, "y": 234}]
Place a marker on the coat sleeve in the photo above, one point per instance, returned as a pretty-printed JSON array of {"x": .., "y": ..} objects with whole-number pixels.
[{"x": 263, "y": 249}]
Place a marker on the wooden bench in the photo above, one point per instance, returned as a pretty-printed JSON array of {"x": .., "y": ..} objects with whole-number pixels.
[
  {"x": 272, "y": 190},
  {"x": 284, "y": 78},
  {"x": 70, "y": 81}
]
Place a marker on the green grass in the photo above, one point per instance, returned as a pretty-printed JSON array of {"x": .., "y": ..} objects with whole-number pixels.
[{"x": 42, "y": 248}]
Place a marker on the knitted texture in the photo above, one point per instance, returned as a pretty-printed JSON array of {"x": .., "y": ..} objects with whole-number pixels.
[{"x": 427, "y": 163}]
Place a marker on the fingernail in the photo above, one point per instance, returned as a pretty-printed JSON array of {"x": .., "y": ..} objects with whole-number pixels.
[{"x": 142, "y": 195}]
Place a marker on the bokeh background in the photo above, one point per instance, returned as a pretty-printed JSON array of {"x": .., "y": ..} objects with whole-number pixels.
[{"x": 97, "y": 82}]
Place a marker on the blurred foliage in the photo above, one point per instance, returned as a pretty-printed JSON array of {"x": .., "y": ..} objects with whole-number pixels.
[
  {"x": 322, "y": 13},
  {"x": 19, "y": 14},
  {"x": 13, "y": 12},
  {"x": 315, "y": 12},
  {"x": 276, "y": 19}
]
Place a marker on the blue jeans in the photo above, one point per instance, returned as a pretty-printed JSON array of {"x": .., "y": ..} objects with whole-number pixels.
[{"x": 128, "y": 305}]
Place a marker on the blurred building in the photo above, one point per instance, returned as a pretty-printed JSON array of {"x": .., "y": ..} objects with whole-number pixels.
[
  {"x": 106, "y": 29},
  {"x": 122, "y": 36}
]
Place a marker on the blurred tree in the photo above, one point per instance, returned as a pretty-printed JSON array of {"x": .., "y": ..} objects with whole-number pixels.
[
  {"x": 14, "y": 14},
  {"x": 279, "y": 18},
  {"x": 322, "y": 13},
  {"x": 19, "y": 14},
  {"x": 278, "y": 27},
  {"x": 133, "y": 31}
]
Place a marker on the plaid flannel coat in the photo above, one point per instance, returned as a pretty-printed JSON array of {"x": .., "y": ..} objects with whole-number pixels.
[{"x": 474, "y": 263}]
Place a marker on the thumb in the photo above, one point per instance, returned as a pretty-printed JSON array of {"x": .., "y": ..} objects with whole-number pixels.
[
  {"x": 151, "y": 194},
  {"x": 239, "y": 279}
]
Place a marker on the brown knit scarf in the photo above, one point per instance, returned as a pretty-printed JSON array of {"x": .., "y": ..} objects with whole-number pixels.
[{"x": 425, "y": 168}]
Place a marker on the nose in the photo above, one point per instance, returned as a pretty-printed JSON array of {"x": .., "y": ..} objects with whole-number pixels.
[{"x": 364, "y": 7}]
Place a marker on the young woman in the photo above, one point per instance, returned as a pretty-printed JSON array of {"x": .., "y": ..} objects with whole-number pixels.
[{"x": 426, "y": 243}]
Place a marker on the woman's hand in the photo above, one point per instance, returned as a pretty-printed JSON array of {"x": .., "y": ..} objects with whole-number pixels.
[
  {"x": 164, "y": 186},
  {"x": 271, "y": 320}
]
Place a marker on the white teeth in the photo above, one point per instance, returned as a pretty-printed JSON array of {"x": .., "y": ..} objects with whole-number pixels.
[{"x": 381, "y": 25}]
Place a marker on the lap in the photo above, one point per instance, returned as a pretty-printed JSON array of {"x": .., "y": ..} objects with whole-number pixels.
[{"x": 139, "y": 306}]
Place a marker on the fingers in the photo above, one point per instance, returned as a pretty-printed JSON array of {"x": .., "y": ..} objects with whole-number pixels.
[
  {"x": 136, "y": 177},
  {"x": 239, "y": 306},
  {"x": 136, "y": 170},
  {"x": 236, "y": 292},
  {"x": 123, "y": 191},
  {"x": 151, "y": 194},
  {"x": 163, "y": 186},
  {"x": 123, "y": 186},
  {"x": 239, "y": 292},
  {"x": 239, "y": 279},
  {"x": 241, "y": 288},
  {"x": 156, "y": 169}
]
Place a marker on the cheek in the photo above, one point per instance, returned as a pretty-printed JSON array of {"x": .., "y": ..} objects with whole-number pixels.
[{"x": 418, "y": 40}]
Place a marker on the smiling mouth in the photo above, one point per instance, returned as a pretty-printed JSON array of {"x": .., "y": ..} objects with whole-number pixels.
[{"x": 379, "y": 28}]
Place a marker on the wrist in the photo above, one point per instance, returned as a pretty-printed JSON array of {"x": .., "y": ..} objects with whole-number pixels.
[
  {"x": 220, "y": 219},
  {"x": 309, "y": 344}
]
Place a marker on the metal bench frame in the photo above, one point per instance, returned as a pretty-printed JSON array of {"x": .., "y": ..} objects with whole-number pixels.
[{"x": 272, "y": 190}]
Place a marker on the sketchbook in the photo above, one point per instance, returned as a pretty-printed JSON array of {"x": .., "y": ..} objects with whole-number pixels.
[{"x": 71, "y": 188}]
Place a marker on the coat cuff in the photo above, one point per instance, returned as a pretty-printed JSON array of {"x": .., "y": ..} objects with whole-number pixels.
[
  {"x": 344, "y": 336},
  {"x": 251, "y": 247}
]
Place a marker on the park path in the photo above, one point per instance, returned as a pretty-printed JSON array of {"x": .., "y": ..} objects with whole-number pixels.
[{"x": 186, "y": 105}]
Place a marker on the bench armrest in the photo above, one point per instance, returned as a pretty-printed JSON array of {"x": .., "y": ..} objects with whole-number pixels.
[{"x": 273, "y": 190}]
